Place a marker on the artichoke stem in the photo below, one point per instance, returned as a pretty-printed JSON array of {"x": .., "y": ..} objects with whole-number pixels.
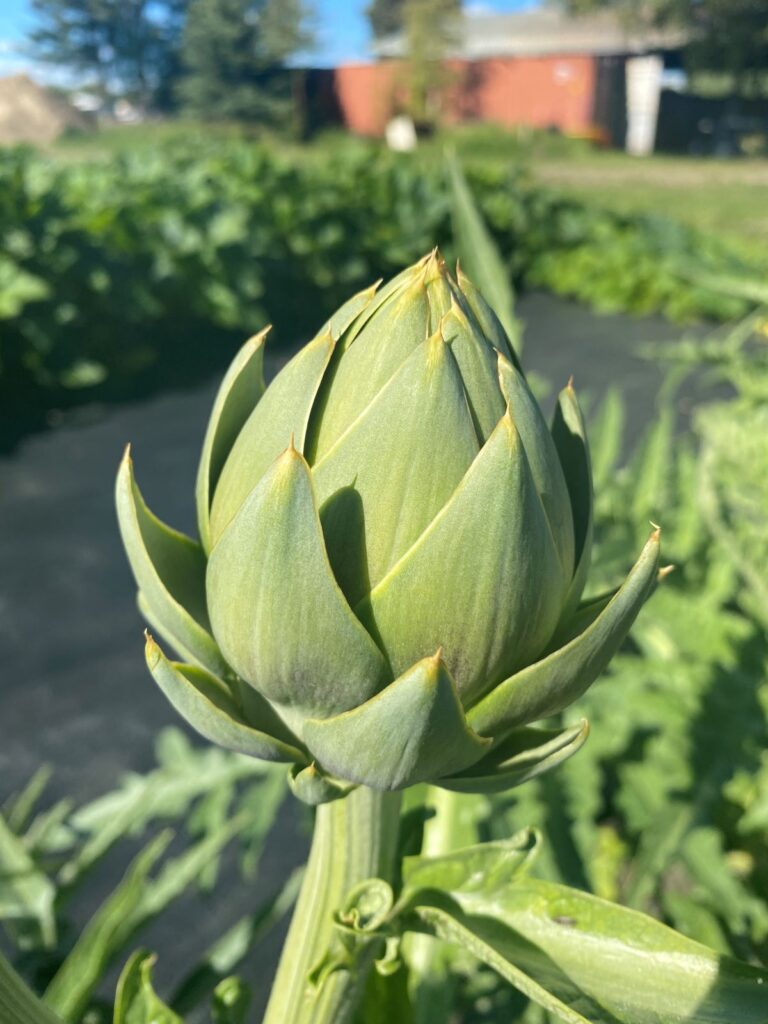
[{"x": 354, "y": 839}]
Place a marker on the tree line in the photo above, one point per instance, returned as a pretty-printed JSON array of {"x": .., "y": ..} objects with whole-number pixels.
[
  {"x": 215, "y": 58},
  {"x": 223, "y": 59},
  {"x": 230, "y": 59}
]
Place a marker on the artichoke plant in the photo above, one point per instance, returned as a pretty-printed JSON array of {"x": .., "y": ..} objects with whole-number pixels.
[{"x": 393, "y": 548}]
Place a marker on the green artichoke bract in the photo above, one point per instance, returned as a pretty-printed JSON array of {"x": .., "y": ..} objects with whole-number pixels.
[{"x": 393, "y": 547}]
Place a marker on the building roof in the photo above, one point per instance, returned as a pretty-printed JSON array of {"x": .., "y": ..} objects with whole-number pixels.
[{"x": 546, "y": 31}]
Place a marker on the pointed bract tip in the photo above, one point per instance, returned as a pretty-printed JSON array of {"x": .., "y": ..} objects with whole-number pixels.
[
  {"x": 259, "y": 338},
  {"x": 288, "y": 459},
  {"x": 436, "y": 660},
  {"x": 664, "y": 571},
  {"x": 569, "y": 385},
  {"x": 152, "y": 652},
  {"x": 434, "y": 266},
  {"x": 126, "y": 453},
  {"x": 656, "y": 530},
  {"x": 324, "y": 339}
]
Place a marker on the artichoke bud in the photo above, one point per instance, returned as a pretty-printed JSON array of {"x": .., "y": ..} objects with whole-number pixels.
[{"x": 393, "y": 548}]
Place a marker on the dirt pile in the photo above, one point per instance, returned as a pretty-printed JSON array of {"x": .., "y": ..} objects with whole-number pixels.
[{"x": 29, "y": 113}]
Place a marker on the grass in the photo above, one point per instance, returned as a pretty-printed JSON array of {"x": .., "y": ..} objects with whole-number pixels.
[{"x": 728, "y": 198}]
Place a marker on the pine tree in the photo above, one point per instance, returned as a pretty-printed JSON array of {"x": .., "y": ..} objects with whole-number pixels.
[
  {"x": 128, "y": 47},
  {"x": 386, "y": 17},
  {"x": 235, "y": 55}
]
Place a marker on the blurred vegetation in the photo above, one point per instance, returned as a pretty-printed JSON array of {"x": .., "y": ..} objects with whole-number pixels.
[
  {"x": 665, "y": 809},
  {"x": 175, "y": 828},
  {"x": 125, "y": 272}
]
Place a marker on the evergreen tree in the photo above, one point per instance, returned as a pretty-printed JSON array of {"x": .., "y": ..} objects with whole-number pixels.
[
  {"x": 386, "y": 17},
  {"x": 431, "y": 31},
  {"x": 129, "y": 47},
  {"x": 235, "y": 55},
  {"x": 730, "y": 36}
]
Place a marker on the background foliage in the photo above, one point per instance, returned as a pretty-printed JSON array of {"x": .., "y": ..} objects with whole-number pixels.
[
  {"x": 666, "y": 807},
  {"x": 664, "y": 810},
  {"x": 103, "y": 296}
]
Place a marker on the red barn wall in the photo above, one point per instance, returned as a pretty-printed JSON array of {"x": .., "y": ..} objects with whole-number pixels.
[
  {"x": 366, "y": 95},
  {"x": 542, "y": 92}
]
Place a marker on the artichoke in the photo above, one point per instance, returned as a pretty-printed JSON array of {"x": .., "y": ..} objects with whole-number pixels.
[{"x": 393, "y": 548}]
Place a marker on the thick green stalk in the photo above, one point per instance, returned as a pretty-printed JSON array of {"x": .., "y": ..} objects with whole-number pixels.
[{"x": 354, "y": 839}]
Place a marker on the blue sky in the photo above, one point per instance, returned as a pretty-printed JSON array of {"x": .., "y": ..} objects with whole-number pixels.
[{"x": 342, "y": 29}]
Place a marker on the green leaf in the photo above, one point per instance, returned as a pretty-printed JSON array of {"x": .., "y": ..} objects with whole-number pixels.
[
  {"x": 544, "y": 461},
  {"x": 570, "y": 436},
  {"x": 276, "y": 608},
  {"x": 478, "y": 363},
  {"x": 489, "y": 323},
  {"x": 373, "y": 509},
  {"x": 231, "y": 949},
  {"x": 240, "y": 391},
  {"x": 553, "y": 683},
  {"x": 231, "y": 999},
  {"x": 484, "y": 866},
  {"x": 479, "y": 254},
  {"x": 389, "y": 329},
  {"x": 104, "y": 935},
  {"x": 279, "y": 419},
  {"x": 210, "y": 707},
  {"x": 412, "y": 731},
  {"x": 522, "y": 756},
  {"x": 313, "y": 786},
  {"x": 483, "y": 581},
  {"x": 607, "y": 433},
  {"x": 587, "y": 960},
  {"x": 26, "y": 893},
  {"x": 18, "y": 1003},
  {"x": 651, "y": 467},
  {"x": 136, "y": 1001},
  {"x": 137, "y": 899},
  {"x": 169, "y": 569},
  {"x": 353, "y": 308},
  {"x": 20, "y": 808},
  {"x": 184, "y": 774}
]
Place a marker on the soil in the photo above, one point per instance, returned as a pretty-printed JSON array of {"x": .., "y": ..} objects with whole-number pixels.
[{"x": 34, "y": 115}]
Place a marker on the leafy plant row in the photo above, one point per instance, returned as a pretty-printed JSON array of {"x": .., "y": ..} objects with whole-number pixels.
[
  {"x": 125, "y": 275},
  {"x": 665, "y": 810}
]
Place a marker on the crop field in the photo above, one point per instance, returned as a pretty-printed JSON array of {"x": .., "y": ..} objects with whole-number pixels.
[
  {"x": 114, "y": 248},
  {"x": 529, "y": 886}
]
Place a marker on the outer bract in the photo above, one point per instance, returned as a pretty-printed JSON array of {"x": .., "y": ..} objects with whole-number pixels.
[{"x": 393, "y": 547}]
